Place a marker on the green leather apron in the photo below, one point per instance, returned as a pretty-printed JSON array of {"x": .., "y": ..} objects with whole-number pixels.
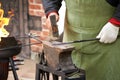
[{"x": 84, "y": 20}]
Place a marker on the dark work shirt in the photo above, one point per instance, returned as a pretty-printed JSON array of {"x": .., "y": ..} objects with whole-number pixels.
[
  {"x": 54, "y": 5},
  {"x": 51, "y": 5}
]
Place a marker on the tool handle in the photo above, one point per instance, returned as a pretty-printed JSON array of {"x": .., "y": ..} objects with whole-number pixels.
[
  {"x": 86, "y": 40},
  {"x": 54, "y": 26}
]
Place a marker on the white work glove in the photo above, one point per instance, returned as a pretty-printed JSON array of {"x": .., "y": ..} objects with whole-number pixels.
[{"x": 109, "y": 33}]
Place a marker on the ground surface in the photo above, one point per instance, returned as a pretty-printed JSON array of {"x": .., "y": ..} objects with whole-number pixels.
[{"x": 26, "y": 71}]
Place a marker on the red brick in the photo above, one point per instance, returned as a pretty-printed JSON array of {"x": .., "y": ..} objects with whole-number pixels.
[
  {"x": 39, "y": 13},
  {"x": 43, "y": 37},
  {"x": 31, "y": 12},
  {"x": 36, "y": 9},
  {"x": 44, "y": 26},
  {"x": 31, "y": 1},
  {"x": 34, "y": 6},
  {"x": 45, "y": 32},
  {"x": 35, "y": 48},
  {"x": 38, "y": 1},
  {"x": 32, "y": 41}
]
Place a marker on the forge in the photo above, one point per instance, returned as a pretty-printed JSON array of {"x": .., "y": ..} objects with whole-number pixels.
[
  {"x": 9, "y": 47},
  {"x": 7, "y": 42}
]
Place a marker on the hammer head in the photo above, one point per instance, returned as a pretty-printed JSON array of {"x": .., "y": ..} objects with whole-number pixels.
[{"x": 55, "y": 32}]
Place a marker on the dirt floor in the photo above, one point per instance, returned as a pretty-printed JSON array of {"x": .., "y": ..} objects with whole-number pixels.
[{"x": 26, "y": 71}]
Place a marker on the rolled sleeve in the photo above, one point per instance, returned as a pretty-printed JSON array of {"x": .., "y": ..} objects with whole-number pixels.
[
  {"x": 51, "y": 6},
  {"x": 115, "y": 21}
]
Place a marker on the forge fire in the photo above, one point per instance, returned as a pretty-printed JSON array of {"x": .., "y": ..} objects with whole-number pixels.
[{"x": 3, "y": 21}]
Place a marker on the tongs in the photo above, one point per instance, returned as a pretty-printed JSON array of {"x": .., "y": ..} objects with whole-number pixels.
[{"x": 77, "y": 41}]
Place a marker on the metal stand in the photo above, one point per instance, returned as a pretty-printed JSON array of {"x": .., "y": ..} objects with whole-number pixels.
[
  {"x": 43, "y": 72},
  {"x": 56, "y": 60},
  {"x": 13, "y": 68}
]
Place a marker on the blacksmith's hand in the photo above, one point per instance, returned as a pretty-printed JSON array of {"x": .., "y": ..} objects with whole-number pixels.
[
  {"x": 108, "y": 33},
  {"x": 48, "y": 22},
  {"x": 54, "y": 13},
  {"x": 48, "y": 19}
]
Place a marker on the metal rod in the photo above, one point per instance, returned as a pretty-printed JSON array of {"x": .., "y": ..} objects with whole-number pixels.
[
  {"x": 17, "y": 46},
  {"x": 32, "y": 36},
  {"x": 25, "y": 37},
  {"x": 77, "y": 41}
]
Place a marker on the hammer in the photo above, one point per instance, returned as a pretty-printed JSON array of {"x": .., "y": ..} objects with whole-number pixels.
[{"x": 54, "y": 26}]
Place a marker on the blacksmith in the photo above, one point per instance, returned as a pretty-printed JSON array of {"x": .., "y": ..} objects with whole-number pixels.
[{"x": 92, "y": 19}]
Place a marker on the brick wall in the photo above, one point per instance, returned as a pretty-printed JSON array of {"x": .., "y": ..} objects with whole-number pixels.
[{"x": 36, "y": 9}]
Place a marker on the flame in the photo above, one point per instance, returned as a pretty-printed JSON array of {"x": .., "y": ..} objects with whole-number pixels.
[{"x": 3, "y": 21}]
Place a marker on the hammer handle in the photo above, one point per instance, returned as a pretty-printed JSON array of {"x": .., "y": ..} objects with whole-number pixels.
[{"x": 54, "y": 26}]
